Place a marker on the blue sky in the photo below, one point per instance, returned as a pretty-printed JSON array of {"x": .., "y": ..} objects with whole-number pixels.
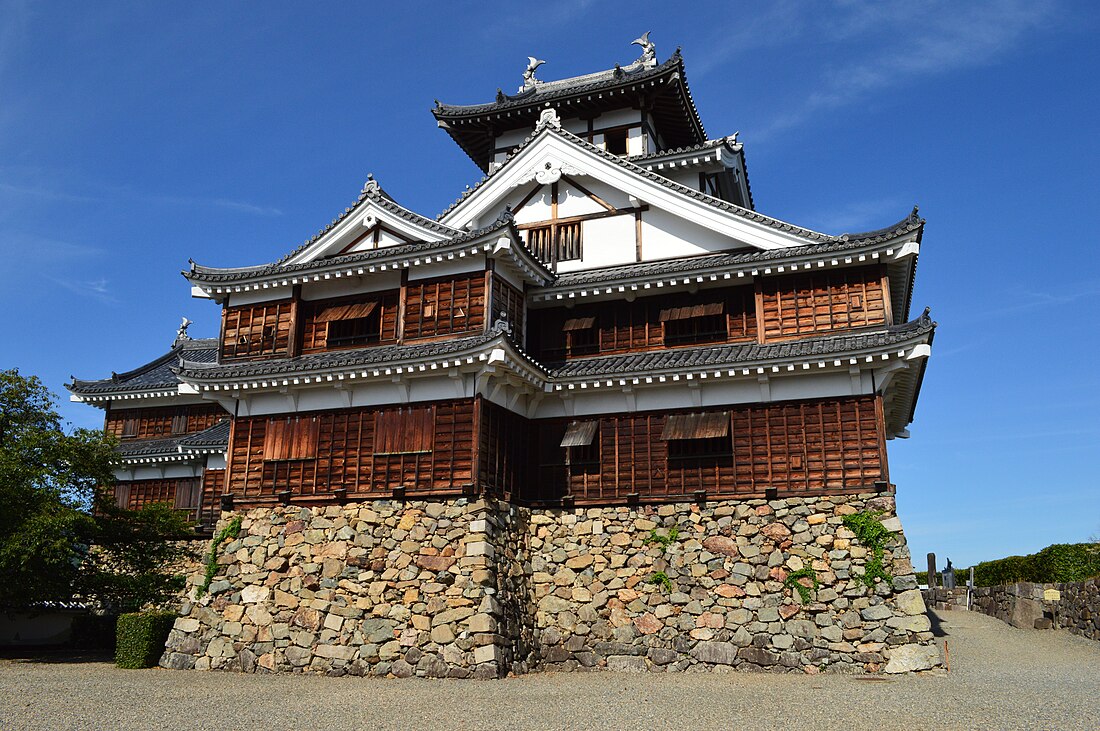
[{"x": 136, "y": 135}]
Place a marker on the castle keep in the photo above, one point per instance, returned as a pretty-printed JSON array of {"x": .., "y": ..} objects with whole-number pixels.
[{"x": 600, "y": 412}]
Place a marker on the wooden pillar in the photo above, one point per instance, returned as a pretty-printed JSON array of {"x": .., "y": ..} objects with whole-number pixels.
[
  {"x": 887, "y": 305},
  {"x": 759, "y": 310},
  {"x": 402, "y": 294},
  {"x": 294, "y": 337}
]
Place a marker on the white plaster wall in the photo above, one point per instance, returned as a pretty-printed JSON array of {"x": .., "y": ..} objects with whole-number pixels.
[
  {"x": 572, "y": 202},
  {"x": 665, "y": 236},
  {"x": 329, "y": 288},
  {"x": 146, "y": 403},
  {"x": 458, "y": 265},
  {"x": 388, "y": 239},
  {"x": 536, "y": 209},
  {"x": 513, "y": 136},
  {"x": 154, "y": 473},
  {"x": 270, "y": 294},
  {"x": 606, "y": 242},
  {"x": 711, "y": 393},
  {"x": 215, "y": 462},
  {"x": 635, "y": 144},
  {"x": 617, "y": 118}
]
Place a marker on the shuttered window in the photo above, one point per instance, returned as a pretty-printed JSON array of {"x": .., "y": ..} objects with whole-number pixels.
[
  {"x": 129, "y": 427},
  {"x": 404, "y": 431},
  {"x": 692, "y": 324},
  {"x": 579, "y": 434},
  {"x": 696, "y": 426},
  {"x": 188, "y": 495},
  {"x": 291, "y": 439},
  {"x": 179, "y": 423},
  {"x": 122, "y": 495}
]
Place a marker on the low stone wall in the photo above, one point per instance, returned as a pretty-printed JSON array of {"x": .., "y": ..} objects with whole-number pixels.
[
  {"x": 947, "y": 599},
  {"x": 480, "y": 589},
  {"x": 1072, "y": 606}
]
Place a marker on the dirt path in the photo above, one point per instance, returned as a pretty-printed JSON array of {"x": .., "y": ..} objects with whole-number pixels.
[{"x": 1002, "y": 678}]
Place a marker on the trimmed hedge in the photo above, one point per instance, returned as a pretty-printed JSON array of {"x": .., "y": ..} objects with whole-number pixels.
[
  {"x": 141, "y": 637},
  {"x": 1057, "y": 564}
]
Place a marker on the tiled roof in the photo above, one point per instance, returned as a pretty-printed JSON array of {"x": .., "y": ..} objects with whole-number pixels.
[
  {"x": 546, "y": 91},
  {"x": 229, "y": 274},
  {"x": 215, "y": 436},
  {"x": 156, "y": 374},
  {"x": 723, "y": 355},
  {"x": 149, "y": 447},
  {"x": 650, "y": 156},
  {"x": 373, "y": 192},
  {"x": 731, "y": 259},
  {"x": 627, "y": 164},
  {"x": 379, "y": 354},
  {"x": 672, "y": 105}
]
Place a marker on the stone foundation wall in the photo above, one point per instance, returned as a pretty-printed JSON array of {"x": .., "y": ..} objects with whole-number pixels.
[
  {"x": 480, "y": 589},
  {"x": 1073, "y": 606}
]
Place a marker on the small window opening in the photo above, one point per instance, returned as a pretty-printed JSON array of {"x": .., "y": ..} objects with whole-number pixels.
[{"x": 615, "y": 141}]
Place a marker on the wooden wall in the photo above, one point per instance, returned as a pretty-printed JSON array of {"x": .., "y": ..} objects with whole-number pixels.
[
  {"x": 820, "y": 447},
  {"x": 184, "y": 493},
  {"x": 427, "y": 449},
  {"x": 445, "y": 306},
  {"x": 621, "y": 326},
  {"x": 250, "y": 331},
  {"x": 505, "y": 466},
  {"x": 213, "y": 487},
  {"x": 510, "y": 301},
  {"x": 316, "y": 316},
  {"x": 162, "y": 422},
  {"x": 781, "y": 308},
  {"x": 827, "y": 301}
]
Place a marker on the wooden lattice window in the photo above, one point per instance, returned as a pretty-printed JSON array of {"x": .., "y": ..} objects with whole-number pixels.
[
  {"x": 404, "y": 431},
  {"x": 179, "y": 423},
  {"x": 290, "y": 439},
  {"x": 129, "y": 427},
  {"x": 556, "y": 242}
]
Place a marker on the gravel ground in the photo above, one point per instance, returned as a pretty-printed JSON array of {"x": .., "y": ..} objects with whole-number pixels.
[{"x": 1001, "y": 678}]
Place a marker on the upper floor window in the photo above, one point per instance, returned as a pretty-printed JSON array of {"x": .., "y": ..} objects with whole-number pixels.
[
  {"x": 615, "y": 141},
  {"x": 582, "y": 337},
  {"x": 352, "y": 324},
  {"x": 556, "y": 242},
  {"x": 693, "y": 324}
]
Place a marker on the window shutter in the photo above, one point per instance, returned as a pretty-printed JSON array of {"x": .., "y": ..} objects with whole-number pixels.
[
  {"x": 696, "y": 426},
  {"x": 579, "y": 434}
]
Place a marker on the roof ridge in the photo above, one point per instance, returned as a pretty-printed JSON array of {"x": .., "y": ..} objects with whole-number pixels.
[{"x": 371, "y": 191}]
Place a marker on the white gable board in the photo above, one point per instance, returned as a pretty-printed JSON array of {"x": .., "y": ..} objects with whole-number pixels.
[{"x": 550, "y": 151}]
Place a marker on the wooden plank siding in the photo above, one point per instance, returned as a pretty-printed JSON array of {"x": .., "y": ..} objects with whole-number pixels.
[
  {"x": 820, "y": 447},
  {"x": 162, "y": 422},
  {"x": 620, "y": 326},
  {"x": 213, "y": 487},
  {"x": 426, "y": 449},
  {"x": 510, "y": 301},
  {"x": 183, "y": 493},
  {"x": 505, "y": 467},
  {"x": 444, "y": 306},
  {"x": 260, "y": 330},
  {"x": 819, "y": 302}
]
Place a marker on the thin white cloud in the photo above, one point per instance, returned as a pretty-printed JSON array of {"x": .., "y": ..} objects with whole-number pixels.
[
  {"x": 1028, "y": 301},
  {"x": 96, "y": 288},
  {"x": 892, "y": 44},
  {"x": 115, "y": 194}
]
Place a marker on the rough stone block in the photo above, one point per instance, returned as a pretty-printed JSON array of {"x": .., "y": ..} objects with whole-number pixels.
[
  {"x": 909, "y": 658},
  {"x": 716, "y": 653}
]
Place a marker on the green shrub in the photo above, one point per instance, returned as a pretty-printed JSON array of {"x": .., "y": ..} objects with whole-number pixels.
[
  {"x": 141, "y": 637},
  {"x": 1054, "y": 564}
]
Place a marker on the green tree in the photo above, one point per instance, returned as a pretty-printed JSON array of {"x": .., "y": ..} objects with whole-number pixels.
[{"x": 54, "y": 508}]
